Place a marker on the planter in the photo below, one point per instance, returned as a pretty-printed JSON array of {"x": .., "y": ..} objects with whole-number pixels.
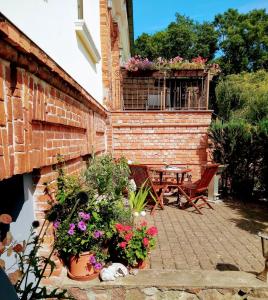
[
  {"x": 142, "y": 264},
  {"x": 81, "y": 269}
]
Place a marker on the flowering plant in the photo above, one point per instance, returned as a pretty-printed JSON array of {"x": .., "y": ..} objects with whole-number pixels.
[
  {"x": 177, "y": 63},
  {"x": 80, "y": 233},
  {"x": 138, "y": 63},
  {"x": 134, "y": 244}
]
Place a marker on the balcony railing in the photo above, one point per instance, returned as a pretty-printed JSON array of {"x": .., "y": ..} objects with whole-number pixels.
[{"x": 165, "y": 93}]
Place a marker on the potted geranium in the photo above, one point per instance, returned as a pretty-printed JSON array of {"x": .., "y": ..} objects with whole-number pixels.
[
  {"x": 80, "y": 241},
  {"x": 133, "y": 245}
]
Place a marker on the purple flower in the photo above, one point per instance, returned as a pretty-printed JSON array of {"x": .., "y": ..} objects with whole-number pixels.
[
  {"x": 82, "y": 226},
  {"x": 72, "y": 226},
  {"x": 71, "y": 232},
  {"x": 84, "y": 216},
  {"x": 92, "y": 260},
  {"x": 81, "y": 214},
  {"x": 97, "y": 266},
  {"x": 56, "y": 224},
  {"x": 97, "y": 234}
]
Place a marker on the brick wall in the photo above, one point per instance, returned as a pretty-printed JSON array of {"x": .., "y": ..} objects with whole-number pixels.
[
  {"x": 154, "y": 138},
  {"x": 110, "y": 53},
  {"x": 43, "y": 112}
]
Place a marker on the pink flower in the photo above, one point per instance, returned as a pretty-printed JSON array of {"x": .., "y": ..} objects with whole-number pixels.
[
  {"x": 152, "y": 231},
  {"x": 97, "y": 234},
  {"x": 56, "y": 224},
  {"x": 71, "y": 231},
  {"x": 127, "y": 228},
  {"x": 144, "y": 224},
  {"x": 128, "y": 236},
  {"x": 72, "y": 226},
  {"x": 97, "y": 266},
  {"x": 82, "y": 226},
  {"x": 123, "y": 245},
  {"x": 92, "y": 259},
  {"x": 84, "y": 216},
  {"x": 145, "y": 242},
  {"x": 119, "y": 227}
]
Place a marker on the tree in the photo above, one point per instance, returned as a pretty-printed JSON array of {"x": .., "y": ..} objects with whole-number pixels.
[
  {"x": 243, "y": 40},
  {"x": 183, "y": 37},
  {"x": 243, "y": 96}
]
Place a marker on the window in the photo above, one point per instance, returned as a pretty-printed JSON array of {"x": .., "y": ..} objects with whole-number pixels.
[{"x": 80, "y": 14}]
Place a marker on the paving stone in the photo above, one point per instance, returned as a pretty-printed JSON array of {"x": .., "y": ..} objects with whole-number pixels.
[{"x": 206, "y": 241}]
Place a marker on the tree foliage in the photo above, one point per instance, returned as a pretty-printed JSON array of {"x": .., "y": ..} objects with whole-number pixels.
[
  {"x": 243, "y": 40},
  {"x": 183, "y": 37},
  {"x": 243, "y": 96},
  {"x": 241, "y": 142},
  {"x": 237, "y": 41}
]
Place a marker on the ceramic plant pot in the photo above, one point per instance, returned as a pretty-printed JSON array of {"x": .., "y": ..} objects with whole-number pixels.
[
  {"x": 80, "y": 268},
  {"x": 142, "y": 264}
]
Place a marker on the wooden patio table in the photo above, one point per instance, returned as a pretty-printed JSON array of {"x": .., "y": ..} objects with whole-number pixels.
[{"x": 171, "y": 170}]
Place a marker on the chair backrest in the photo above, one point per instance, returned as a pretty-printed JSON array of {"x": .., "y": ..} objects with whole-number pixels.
[
  {"x": 140, "y": 174},
  {"x": 209, "y": 172}
]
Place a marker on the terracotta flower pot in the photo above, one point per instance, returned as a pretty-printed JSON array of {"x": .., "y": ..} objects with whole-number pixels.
[
  {"x": 142, "y": 264},
  {"x": 80, "y": 268}
]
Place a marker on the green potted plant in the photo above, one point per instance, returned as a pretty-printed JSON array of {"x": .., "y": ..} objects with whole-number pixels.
[
  {"x": 137, "y": 200},
  {"x": 85, "y": 211},
  {"x": 133, "y": 245},
  {"x": 80, "y": 240}
]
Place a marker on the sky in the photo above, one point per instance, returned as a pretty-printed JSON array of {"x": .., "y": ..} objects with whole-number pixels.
[{"x": 154, "y": 15}]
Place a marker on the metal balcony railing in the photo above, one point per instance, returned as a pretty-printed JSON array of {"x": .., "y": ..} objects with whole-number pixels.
[{"x": 172, "y": 93}]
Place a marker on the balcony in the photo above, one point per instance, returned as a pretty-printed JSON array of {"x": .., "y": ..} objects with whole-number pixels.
[{"x": 162, "y": 90}]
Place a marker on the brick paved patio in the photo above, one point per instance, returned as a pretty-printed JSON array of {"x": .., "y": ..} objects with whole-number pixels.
[{"x": 223, "y": 238}]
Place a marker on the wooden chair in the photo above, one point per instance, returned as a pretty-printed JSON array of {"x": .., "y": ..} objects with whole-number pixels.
[
  {"x": 194, "y": 191},
  {"x": 141, "y": 174}
]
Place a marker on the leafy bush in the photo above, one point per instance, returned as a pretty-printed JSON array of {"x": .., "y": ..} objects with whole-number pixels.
[
  {"x": 239, "y": 145},
  {"x": 243, "y": 96},
  {"x": 108, "y": 177}
]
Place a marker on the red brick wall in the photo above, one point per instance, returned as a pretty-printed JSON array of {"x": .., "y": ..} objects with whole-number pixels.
[
  {"x": 110, "y": 53},
  {"x": 154, "y": 138},
  {"x": 43, "y": 112},
  {"x": 39, "y": 121}
]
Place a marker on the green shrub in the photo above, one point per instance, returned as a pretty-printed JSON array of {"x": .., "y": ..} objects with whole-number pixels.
[
  {"x": 234, "y": 147},
  {"x": 243, "y": 96},
  {"x": 107, "y": 176}
]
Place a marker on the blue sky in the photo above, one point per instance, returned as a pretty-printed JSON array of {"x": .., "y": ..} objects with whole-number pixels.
[{"x": 153, "y": 15}]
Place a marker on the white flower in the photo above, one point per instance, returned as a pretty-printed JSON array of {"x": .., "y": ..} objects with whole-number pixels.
[
  {"x": 136, "y": 214},
  {"x": 143, "y": 213}
]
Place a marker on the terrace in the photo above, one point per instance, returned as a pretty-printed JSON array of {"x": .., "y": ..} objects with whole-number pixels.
[{"x": 160, "y": 90}]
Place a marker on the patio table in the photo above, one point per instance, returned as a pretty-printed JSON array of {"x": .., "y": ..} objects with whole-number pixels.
[{"x": 171, "y": 170}]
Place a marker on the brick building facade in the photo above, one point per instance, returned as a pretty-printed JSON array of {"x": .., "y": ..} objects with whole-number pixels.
[{"x": 45, "y": 112}]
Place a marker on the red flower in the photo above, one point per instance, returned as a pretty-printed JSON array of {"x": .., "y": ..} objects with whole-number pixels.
[
  {"x": 119, "y": 227},
  {"x": 144, "y": 224},
  {"x": 127, "y": 228},
  {"x": 18, "y": 248},
  {"x": 123, "y": 245},
  {"x": 128, "y": 236},
  {"x": 145, "y": 242},
  {"x": 152, "y": 231}
]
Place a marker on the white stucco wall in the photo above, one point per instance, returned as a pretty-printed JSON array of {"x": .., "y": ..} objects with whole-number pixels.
[{"x": 51, "y": 25}]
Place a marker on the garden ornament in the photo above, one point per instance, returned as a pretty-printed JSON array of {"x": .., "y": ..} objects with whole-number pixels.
[{"x": 113, "y": 271}]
